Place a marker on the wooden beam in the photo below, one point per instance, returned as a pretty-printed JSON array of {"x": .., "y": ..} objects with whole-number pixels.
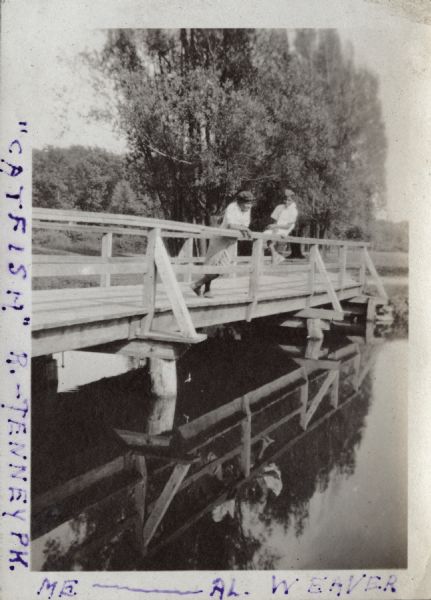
[
  {"x": 173, "y": 291},
  {"x": 150, "y": 280},
  {"x": 342, "y": 266},
  {"x": 312, "y": 275},
  {"x": 304, "y": 404},
  {"x": 327, "y": 281},
  {"x": 362, "y": 269},
  {"x": 246, "y": 439},
  {"x": 187, "y": 253},
  {"x": 315, "y": 329},
  {"x": 77, "y": 484},
  {"x": 256, "y": 266},
  {"x": 82, "y": 268},
  {"x": 166, "y": 336},
  {"x": 320, "y": 313},
  {"x": 138, "y": 438},
  {"x": 376, "y": 277},
  {"x": 163, "y": 502},
  {"x": 308, "y": 415},
  {"x": 335, "y": 390},
  {"x": 44, "y": 216},
  {"x": 105, "y": 280},
  {"x": 140, "y": 493},
  {"x": 311, "y": 364}
]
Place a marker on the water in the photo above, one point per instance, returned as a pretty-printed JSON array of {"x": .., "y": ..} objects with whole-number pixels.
[{"x": 336, "y": 498}]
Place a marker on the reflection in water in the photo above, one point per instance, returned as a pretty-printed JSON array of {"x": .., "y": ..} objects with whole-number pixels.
[{"x": 336, "y": 498}]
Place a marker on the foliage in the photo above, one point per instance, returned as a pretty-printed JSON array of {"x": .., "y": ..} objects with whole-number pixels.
[
  {"x": 89, "y": 179},
  {"x": 390, "y": 236},
  {"x": 206, "y": 111}
]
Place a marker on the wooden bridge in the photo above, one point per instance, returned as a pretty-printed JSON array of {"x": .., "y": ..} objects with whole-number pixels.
[{"x": 155, "y": 313}]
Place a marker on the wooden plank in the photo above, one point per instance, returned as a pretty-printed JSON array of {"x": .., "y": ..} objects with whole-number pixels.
[
  {"x": 312, "y": 272},
  {"x": 314, "y": 405},
  {"x": 362, "y": 268},
  {"x": 83, "y": 258},
  {"x": 73, "y": 216},
  {"x": 85, "y": 268},
  {"x": 286, "y": 267},
  {"x": 328, "y": 283},
  {"x": 77, "y": 484},
  {"x": 293, "y": 323},
  {"x": 311, "y": 364},
  {"x": 256, "y": 266},
  {"x": 173, "y": 291},
  {"x": 335, "y": 390},
  {"x": 209, "y": 419},
  {"x": 143, "y": 349},
  {"x": 150, "y": 280},
  {"x": 140, "y": 493},
  {"x": 313, "y": 349},
  {"x": 342, "y": 266},
  {"x": 211, "y": 269},
  {"x": 187, "y": 253},
  {"x": 304, "y": 403},
  {"x": 320, "y": 313},
  {"x": 166, "y": 336},
  {"x": 163, "y": 502},
  {"x": 138, "y": 438},
  {"x": 105, "y": 279},
  {"x": 246, "y": 439},
  {"x": 347, "y": 351},
  {"x": 376, "y": 278}
]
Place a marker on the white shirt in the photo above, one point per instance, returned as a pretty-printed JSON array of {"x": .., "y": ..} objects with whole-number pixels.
[
  {"x": 235, "y": 216},
  {"x": 286, "y": 216}
]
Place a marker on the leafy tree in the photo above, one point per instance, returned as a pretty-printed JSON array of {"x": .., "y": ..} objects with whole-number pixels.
[
  {"x": 75, "y": 177},
  {"x": 208, "y": 110}
]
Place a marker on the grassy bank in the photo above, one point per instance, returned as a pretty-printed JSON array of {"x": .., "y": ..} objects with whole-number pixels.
[{"x": 391, "y": 263}]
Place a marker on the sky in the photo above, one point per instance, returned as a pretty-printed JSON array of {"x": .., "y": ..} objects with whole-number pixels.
[{"x": 388, "y": 44}]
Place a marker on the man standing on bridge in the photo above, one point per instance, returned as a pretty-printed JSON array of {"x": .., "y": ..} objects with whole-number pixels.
[
  {"x": 285, "y": 216},
  {"x": 221, "y": 250}
]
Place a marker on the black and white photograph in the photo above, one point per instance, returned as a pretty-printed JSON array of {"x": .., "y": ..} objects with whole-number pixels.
[{"x": 221, "y": 217}]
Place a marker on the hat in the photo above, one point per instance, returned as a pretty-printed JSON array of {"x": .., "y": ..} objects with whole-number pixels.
[{"x": 244, "y": 196}]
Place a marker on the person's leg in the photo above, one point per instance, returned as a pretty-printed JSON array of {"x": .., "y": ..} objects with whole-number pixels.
[
  {"x": 207, "y": 281},
  {"x": 203, "y": 281}
]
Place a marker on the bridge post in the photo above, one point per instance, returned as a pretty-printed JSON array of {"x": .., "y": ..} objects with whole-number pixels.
[
  {"x": 163, "y": 374},
  {"x": 105, "y": 279}
]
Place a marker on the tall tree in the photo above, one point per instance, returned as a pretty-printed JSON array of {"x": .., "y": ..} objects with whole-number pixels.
[{"x": 208, "y": 110}]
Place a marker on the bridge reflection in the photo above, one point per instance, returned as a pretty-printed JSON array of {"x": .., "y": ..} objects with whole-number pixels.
[{"x": 139, "y": 496}]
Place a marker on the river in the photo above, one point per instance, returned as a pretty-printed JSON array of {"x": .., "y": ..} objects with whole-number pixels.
[{"x": 335, "y": 499}]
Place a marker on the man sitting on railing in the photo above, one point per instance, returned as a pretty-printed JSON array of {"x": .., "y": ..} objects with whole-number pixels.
[
  {"x": 221, "y": 250},
  {"x": 285, "y": 216}
]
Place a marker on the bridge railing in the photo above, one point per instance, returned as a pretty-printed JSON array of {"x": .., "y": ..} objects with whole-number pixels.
[{"x": 341, "y": 256}]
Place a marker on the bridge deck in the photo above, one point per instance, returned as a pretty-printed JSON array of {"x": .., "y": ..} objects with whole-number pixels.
[
  {"x": 56, "y": 308},
  {"x": 76, "y": 318},
  {"x": 164, "y": 309}
]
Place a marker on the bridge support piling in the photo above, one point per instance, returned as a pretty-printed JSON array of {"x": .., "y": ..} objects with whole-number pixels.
[
  {"x": 45, "y": 371},
  {"x": 314, "y": 329},
  {"x": 163, "y": 374}
]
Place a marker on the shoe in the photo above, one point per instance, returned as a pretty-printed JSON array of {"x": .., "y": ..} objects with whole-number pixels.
[
  {"x": 208, "y": 295},
  {"x": 196, "y": 290}
]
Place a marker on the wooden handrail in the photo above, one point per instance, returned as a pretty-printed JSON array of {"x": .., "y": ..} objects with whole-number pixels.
[{"x": 104, "y": 221}]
